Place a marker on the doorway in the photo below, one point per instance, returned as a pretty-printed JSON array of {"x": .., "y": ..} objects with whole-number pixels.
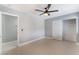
[
  {"x": 9, "y": 32},
  {"x": 69, "y": 30},
  {"x": 57, "y": 29}
]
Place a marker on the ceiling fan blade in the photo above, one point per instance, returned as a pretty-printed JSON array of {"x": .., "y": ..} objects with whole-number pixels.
[
  {"x": 53, "y": 11},
  {"x": 42, "y": 14},
  {"x": 39, "y": 10},
  {"x": 49, "y": 5}
]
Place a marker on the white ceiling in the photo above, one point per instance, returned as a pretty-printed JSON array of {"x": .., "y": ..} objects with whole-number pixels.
[{"x": 30, "y": 8}]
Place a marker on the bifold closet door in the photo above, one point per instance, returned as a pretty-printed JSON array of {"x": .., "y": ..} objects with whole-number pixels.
[
  {"x": 57, "y": 29},
  {"x": 69, "y": 30}
]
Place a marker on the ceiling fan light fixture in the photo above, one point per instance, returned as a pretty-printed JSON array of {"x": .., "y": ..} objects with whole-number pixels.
[
  {"x": 46, "y": 14},
  {"x": 46, "y": 11}
]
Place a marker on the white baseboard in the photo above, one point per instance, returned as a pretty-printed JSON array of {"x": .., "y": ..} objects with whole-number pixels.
[{"x": 28, "y": 42}]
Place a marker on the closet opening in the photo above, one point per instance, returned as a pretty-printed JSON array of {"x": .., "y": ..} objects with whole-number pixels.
[{"x": 69, "y": 30}]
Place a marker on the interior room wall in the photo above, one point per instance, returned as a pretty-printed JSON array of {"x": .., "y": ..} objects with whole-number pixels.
[
  {"x": 64, "y": 17},
  {"x": 65, "y": 11},
  {"x": 33, "y": 27}
]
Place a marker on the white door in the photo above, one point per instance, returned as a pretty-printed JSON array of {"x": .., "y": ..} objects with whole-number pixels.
[{"x": 57, "y": 29}]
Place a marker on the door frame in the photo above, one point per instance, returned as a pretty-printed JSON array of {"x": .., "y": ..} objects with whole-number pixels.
[
  {"x": 76, "y": 18},
  {"x": 10, "y": 14}
]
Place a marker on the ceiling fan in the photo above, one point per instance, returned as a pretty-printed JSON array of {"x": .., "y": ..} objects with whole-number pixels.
[{"x": 46, "y": 11}]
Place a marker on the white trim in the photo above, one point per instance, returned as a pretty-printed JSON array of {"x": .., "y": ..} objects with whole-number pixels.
[
  {"x": 0, "y": 33},
  {"x": 28, "y": 42},
  {"x": 76, "y": 27},
  {"x": 6, "y": 13},
  {"x": 18, "y": 32},
  {"x": 71, "y": 17}
]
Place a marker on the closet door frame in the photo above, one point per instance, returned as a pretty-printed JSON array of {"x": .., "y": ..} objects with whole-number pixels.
[
  {"x": 5, "y": 13},
  {"x": 76, "y": 18},
  {"x": 0, "y": 33}
]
